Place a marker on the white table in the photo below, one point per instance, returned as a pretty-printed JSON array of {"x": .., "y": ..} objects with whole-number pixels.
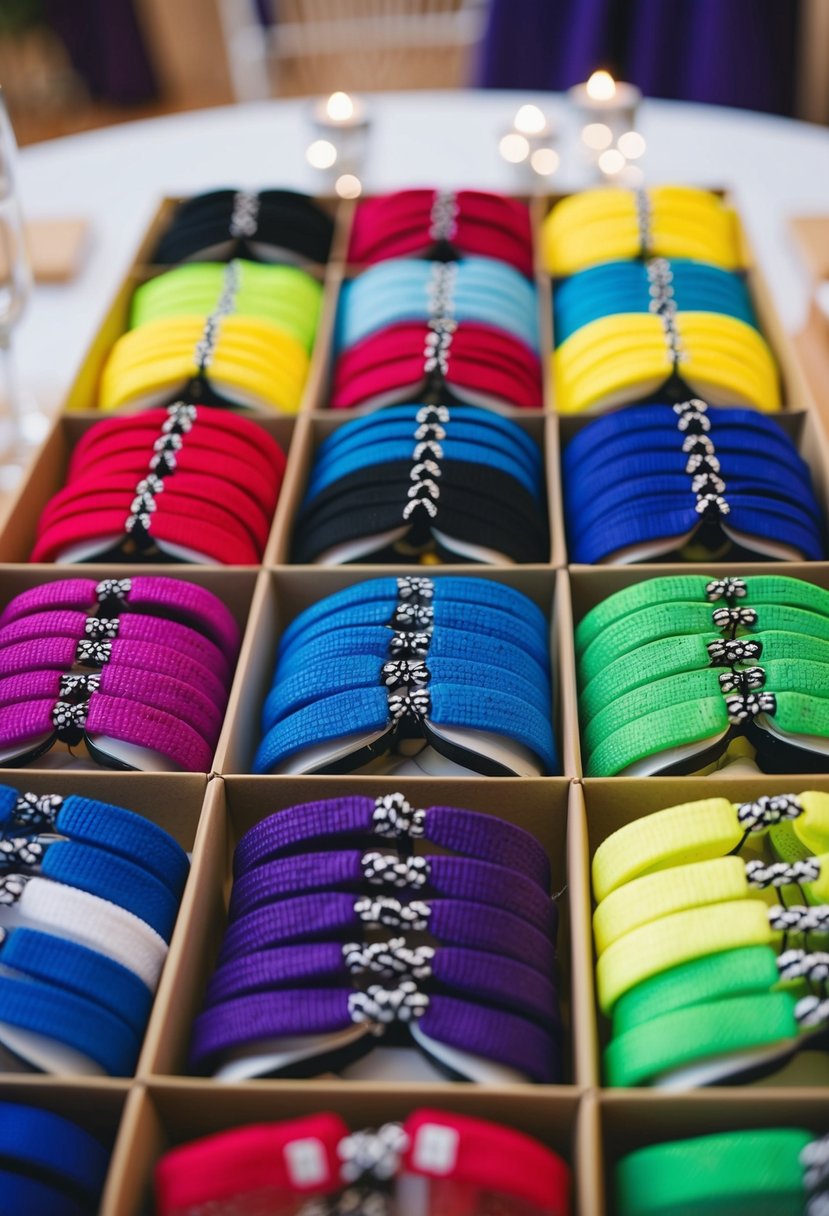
[{"x": 776, "y": 167}]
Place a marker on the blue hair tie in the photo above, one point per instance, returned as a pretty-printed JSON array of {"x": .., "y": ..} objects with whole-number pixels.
[
  {"x": 78, "y": 1023},
  {"x": 370, "y": 711}
]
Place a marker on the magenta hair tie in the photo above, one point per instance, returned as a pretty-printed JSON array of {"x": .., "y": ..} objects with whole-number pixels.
[
  {"x": 37, "y": 724},
  {"x": 63, "y": 653},
  {"x": 129, "y": 627},
  {"x": 391, "y": 817},
  {"x": 184, "y": 601},
  {"x": 163, "y": 692}
]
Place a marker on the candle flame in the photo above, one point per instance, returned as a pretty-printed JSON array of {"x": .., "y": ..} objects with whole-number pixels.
[
  {"x": 529, "y": 120},
  {"x": 601, "y": 86},
  {"x": 339, "y": 107}
]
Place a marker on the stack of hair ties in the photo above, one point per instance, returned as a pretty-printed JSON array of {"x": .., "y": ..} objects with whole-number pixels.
[
  {"x": 435, "y": 223},
  {"x": 234, "y": 334},
  {"x": 89, "y": 894},
  {"x": 462, "y": 327},
  {"x": 765, "y": 1171},
  {"x": 301, "y": 956},
  {"x": 458, "y": 483},
  {"x": 185, "y": 483},
  {"x": 137, "y": 669},
  {"x": 265, "y": 225},
  {"x": 49, "y": 1165},
  {"x": 673, "y": 315},
  {"x": 672, "y": 669},
  {"x": 450, "y": 1162},
  {"x": 712, "y": 484},
  {"x": 457, "y": 668},
  {"x": 692, "y": 905}
]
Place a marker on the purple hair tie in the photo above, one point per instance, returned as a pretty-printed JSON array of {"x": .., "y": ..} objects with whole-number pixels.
[
  {"x": 474, "y": 973},
  {"x": 392, "y": 817},
  {"x": 161, "y": 691},
  {"x": 33, "y": 726},
  {"x": 61, "y": 654},
  {"x": 449, "y": 921},
  {"x": 499, "y": 1037},
  {"x": 193, "y": 604},
  {"x": 454, "y": 877},
  {"x": 130, "y": 627}
]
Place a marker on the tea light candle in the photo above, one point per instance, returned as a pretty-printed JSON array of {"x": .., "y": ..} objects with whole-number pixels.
[
  {"x": 529, "y": 143},
  {"x": 341, "y": 124},
  {"x": 340, "y": 112},
  {"x": 606, "y": 110}
]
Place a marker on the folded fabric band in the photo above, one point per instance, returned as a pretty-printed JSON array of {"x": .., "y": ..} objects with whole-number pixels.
[
  {"x": 31, "y": 728},
  {"x": 700, "y": 589},
  {"x": 494, "y": 1035},
  {"x": 421, "y": 598},
  {"x": 372, "y": 710},
  {"x": 476, "y": 364},
  {"x": 762, "y": 1170},
  {"x": 183, "y": 601},
  {"x": 63, "y": 653},
  {"x": 652, "y": 896},
  {"x": 474, "y": 973},
  {"x": 53, "y": 1146},
  {"x": 316, "y": 682},
  {"x": 383, "y": 642},
  {"x": 448, "y": 921},
  {"x": 175, "y": 697},
  {"x": 25, "y": 1194},
  {"x": 98, "y": 823},
  {"x": 249, "y": 223},
  {"x": 67, "y": 912},
  {"x": 469, "y": 222},
  {"x": 714, "y": 977},
  {"x": 81, "y": 1024},
  {"x": 405, "y": 290},
  {"x": 697, "y": 831},
  {"x": 77, "y": 969},
  {"x": 669, "y": 221},
  {"x": 487, "y": 1163},
  {"x": 452, "y": 877},
  {"x": 392, "y": 817},
  {"x": 130, "y": 627},
  {"x": 693, "y": 933},
  {"x": 96, "y": 871}
]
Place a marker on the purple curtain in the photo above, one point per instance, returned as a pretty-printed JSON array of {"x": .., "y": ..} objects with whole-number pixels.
[
  {"x": 104, "y": 42},
  {"x": 726, "y": 52}
]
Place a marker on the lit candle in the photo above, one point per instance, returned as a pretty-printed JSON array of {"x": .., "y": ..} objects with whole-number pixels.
[
  {"x": 529, "y": 144},
  {"x": 340, "y": 112},
  {"x": 606, "y": 110}
]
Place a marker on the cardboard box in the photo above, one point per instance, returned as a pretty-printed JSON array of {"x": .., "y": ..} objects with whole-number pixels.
[{"x": 207, "y": 813}]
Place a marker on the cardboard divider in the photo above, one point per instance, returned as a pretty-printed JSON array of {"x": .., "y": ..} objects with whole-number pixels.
[
  {"x": 283, "y": 593},
  {"x": 235, "y": 804},
  {"x": 629, "y": 1121},
  {"x": 172, "y": 1114},
  {"x": 610, "y": 804},
  {"x": 317, "y": 427},
  {"x": 48, "y": 476}
]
